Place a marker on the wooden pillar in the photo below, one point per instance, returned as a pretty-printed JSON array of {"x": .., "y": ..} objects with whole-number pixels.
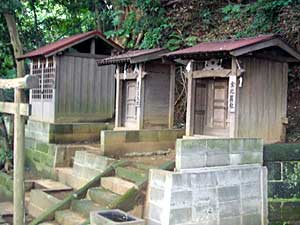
[
  {"x": 118, "y": 115},
  {"x": 190, "y": 105},
  {"x": 19, "y": 193},
  {"x": 232, "y": 92},
  {"x": 140, "y": 104},
  {"x": 172, "y": 95},
  {"x": 93, "y": 47}
]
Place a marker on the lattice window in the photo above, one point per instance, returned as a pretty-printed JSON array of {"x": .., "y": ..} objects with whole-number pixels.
[{"x": 45, "y": 70}]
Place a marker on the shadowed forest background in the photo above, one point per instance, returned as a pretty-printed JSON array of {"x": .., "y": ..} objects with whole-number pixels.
[{"x": 143, "y": 24}]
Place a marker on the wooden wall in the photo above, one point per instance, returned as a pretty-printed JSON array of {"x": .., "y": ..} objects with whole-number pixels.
[
  {"x": 84, "y": 91},
  {"x": 262, "y": 100},
  {"x": 157, "y": 91}
]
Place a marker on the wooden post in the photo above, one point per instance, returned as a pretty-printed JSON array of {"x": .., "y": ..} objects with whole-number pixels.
[
  {"x": 19, "y": 194},
  {"x": 118, "y": 115},
  {"x": 171, "y": 97},
  {"x": 189, "y": 130},
  {"x": 140, "y": 107},
  {"x": 19, "y": 110},
  {"x": 232, "y": 87}
]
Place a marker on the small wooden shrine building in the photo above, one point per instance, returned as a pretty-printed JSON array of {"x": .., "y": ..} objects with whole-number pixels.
[
  {"x": 238, "y": 88},
  {"x": 72, "y": 87},
  {"x": 144, "y": 89}
]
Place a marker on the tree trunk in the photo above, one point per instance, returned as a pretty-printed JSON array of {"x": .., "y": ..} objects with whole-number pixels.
[{"x": 15, "y": 41}]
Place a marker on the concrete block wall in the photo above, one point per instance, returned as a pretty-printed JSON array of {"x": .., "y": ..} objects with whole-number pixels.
[
  {"x": 43, "y": 157},
  {"x": 233, "y": 195},
  {"x": 88, "y": 165},
  {"x": 65, "y": 133},
  {"x": 198, "y": 153},
  {"x": 283, "y": 163},
  {"x": 117, "y": 143}
]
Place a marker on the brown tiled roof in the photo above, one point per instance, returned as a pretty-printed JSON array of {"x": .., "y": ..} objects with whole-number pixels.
[
  {"x": 63, "y": 43},
  {"x": 222, "y": 46},
  {"x": 132, "y": 55}
]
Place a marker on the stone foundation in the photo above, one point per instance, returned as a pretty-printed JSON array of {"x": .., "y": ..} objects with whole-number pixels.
[
  {"x": 214, "y": 188},
  {"x": 118, "y": 143},
  {"x": 43, "y": 157},
  {"x": 65, "y": 133}
]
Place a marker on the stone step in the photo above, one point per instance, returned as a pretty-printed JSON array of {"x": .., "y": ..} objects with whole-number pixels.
[
  {"x": 117, "y": 185},
  {"x": 6, "y": 209},
  {"x": 69, "y": 217},
  {"x": 132, "y": 174},
  {"x": 101, "y": 195},
  {"x": 49, "y": 223},
  {"x": 85, "y": 206},
  {"x": 51, "y": 185},
  {"x": 40, "y": 201},
  {"x": 66, "y": 176}
]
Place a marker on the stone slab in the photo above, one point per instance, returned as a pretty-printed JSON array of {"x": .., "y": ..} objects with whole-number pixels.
[
  {"x": 68, "y": 217},
  {"x": 119, "y": 142},
  {"x": 6, "y": 209},
  {"x": 206, "y": 152},
  {"x": 117, "y": 185},
  {"x": 51, "y": 185}
]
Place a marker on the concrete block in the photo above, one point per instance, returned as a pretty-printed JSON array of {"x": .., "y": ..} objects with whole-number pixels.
[
  {"x": 158, "y": 178},
  {"x": 156, "y": 213},
  {"x": 152, "y": 222},
  {"x": 181, "y": 199},
  {"x": 229, "y": 209},
  {"x": 180, "y": 216},
  {"x": 156, "y": 195},
  {"x": 252, "y": 158},
  {"x": 205, "y": 213},
  {"x": 230, "y": 193},
  {"x": 218, "y": 145},
  {"x": 181, "y": 181},
  {"x": 205, "y": 196},
  {"x": 252, "y": 219},
  {"x": 117, "y": 185},
  {"x": 229, "y": 177},
  {"x": 201, "y": 180},
  {"x": 250, "y": 175},
  {"x": 236, "y": 145},
  {"x": 236, "y": 220},
  {"x": 251, "y": 206},
  {"x": 253, "y": 144},
  {"x": 85, "y": 206},
  {"x": 217, "y": 159},
  {"x": 235, "y": 159},
  {"x": 251, "y": 190}
]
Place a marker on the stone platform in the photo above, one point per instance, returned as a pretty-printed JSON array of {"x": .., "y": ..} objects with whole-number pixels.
[
  {"x": 210, "y": 186},
  {"x": 120, "y": 142},
  {"x": 58, "y": 133}
]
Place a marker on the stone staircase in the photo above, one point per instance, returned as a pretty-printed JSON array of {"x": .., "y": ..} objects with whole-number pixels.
[
  {"x": 46, "y": 194},
  {"x": 110, "y": 189}
]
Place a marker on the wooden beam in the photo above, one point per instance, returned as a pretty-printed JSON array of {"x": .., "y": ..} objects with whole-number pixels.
[
  {"x": 189, "y": 128},
  {"x": 118, "y": 115},
  {"x": 26, "y": 82},
  {"x": 232, "y": 111},
  {"x": 140, "y": 108},
  {"x": 148, "y": 57},
  {"x": 172, "y": 96},
  {"x": 93, "y": 47},
  {"x": 274, "y": 42},
  {"x": 11, "y": 108},
  {"x": 211, "y": 73}
]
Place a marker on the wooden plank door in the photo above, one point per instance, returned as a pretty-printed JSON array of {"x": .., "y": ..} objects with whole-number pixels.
[
  {"x": 130, "y": 113},
  {"x": 200, "y": 105},
  {"x": 217, "y": 108}
]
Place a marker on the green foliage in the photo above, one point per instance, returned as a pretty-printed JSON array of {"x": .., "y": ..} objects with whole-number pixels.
[
  {"x": 178, "y": 40},
  {"x": 264, "y": 14},
  {"x": 5, "y": 155}
]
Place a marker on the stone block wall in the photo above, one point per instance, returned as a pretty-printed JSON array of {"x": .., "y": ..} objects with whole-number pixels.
[
  {"x": 88, "y": 165},
  {"x": 198, "y": 153},
  {"x": 65, "y": 133},
  {"x": 283, "y": 163},
  {"x": 117, "y": 143},
  {"x": 6, "y": 187},
  {"x": 233, "y": 195}
]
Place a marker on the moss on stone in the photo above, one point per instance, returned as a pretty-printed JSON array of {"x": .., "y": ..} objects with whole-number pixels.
[{"x": 282, "y": 152}]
